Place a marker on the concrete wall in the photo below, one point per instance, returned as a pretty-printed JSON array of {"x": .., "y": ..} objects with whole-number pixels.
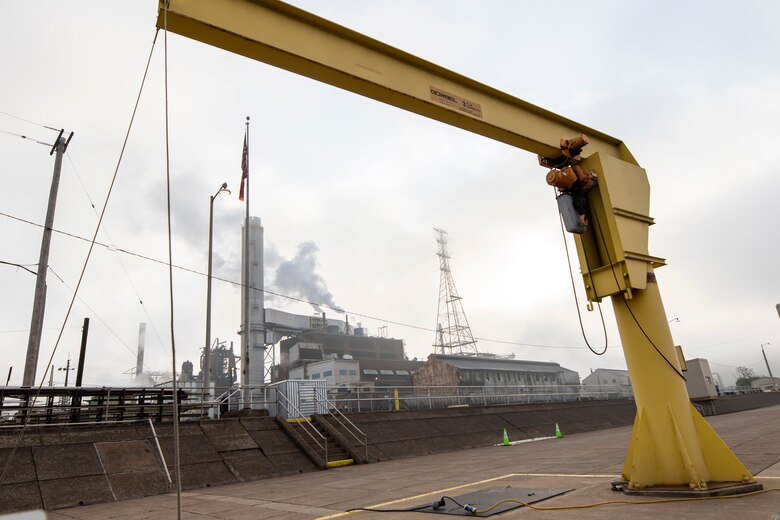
[
  {"x": 394, "y": 435},
  {"x": 64, "y": 466},
  {"x": 409, "y": 434}
]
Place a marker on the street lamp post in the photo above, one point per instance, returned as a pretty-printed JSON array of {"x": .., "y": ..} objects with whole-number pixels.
[{"x": 206, "y": 391}]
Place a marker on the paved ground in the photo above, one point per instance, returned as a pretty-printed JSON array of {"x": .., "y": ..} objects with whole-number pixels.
[{"x": 586, "y": 462}]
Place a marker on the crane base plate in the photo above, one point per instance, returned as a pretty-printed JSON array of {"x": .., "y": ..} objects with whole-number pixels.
[{"x": 717, "y": 489}]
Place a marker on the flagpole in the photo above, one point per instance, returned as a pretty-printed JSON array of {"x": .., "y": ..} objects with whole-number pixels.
[{"x": 247, "y": 285}]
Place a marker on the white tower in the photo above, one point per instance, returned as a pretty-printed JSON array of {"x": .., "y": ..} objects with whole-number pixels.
[{"x": 253, "y": 345}]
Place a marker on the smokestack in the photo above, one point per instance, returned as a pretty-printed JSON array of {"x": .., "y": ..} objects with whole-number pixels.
[
  {"x": 139, "y": 360},
  {"x": 253, "y": 319}
]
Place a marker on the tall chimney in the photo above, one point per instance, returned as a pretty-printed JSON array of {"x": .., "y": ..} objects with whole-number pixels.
[
  {"x": 139, "y": 360},
  {"x": 253, "y": 345}
]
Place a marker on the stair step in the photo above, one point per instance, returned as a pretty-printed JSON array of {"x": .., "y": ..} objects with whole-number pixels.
[
  {"x": 338, "y": 463},
  {"x": 336, "y": 453}
]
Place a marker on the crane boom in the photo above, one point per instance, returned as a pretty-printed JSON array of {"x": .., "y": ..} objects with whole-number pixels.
[
  {"x": 292, "y": 39},
  {"x": 671, "y": 445}
]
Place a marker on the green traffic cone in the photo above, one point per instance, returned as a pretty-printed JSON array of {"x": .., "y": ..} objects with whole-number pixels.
[
  {"x": 558, "y": 434},
  {"x": 506, "y": 438}
]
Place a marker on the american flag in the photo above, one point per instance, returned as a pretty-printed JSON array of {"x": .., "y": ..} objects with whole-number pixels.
[{"x": 244, "y": 167}]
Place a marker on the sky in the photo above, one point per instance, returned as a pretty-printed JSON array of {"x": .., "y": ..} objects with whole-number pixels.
[{"x": 351, "y": 189}]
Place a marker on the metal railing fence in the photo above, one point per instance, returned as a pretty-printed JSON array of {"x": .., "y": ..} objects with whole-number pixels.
[{"x": 55, "y": 405}]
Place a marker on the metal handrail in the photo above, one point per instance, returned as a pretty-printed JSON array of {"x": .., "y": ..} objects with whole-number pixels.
[
  {"x": 222, "y": 399},
  {"x": 330, "y": 405},
  {"x": 300, "y": 416},
  {"x": 86, "y": 404}
]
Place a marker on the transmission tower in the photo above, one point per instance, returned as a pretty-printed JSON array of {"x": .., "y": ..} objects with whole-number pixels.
[{"x": 453, "y": 334}]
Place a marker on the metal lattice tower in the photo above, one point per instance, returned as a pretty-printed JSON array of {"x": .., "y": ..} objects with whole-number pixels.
[{"x": 453, "y": 334}]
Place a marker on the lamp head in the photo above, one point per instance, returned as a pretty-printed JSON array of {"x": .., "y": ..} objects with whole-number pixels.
[{"x": 222, "y": 189}]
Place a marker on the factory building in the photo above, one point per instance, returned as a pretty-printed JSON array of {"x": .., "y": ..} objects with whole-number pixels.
[
  {"x": 607, "y": 382},
  {"x": 766, "y": 384},
  {"x": 443, "y": 370},
  {"x": 316, "y": 346},
  {"x": 608, "y": 376},
  {"x": 349, "y": 372}
]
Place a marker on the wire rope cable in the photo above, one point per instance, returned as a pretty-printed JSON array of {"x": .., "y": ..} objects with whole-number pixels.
[
  {"x": 176, "y": 450},
  {"x": 576, "y": 300}
]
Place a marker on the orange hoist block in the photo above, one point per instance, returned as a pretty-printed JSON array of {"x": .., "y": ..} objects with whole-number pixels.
[{"x": 562, "y": 179}]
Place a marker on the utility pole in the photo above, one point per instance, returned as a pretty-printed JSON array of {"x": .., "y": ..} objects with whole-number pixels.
[
  {"x": 67, "y": 370},
  {"x": 82, "y": 352},
  {"x": 767, "y": 363},
  {"x": 39, "y": 301}
]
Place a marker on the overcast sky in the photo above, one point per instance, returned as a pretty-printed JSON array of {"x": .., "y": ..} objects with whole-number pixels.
[{"x": 354, "y": 187}]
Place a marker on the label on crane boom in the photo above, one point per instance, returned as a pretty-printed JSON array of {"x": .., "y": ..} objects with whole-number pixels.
[{"x": 453, "y": 101}]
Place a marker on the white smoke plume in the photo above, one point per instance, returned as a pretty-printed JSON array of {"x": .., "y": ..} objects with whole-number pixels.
[{"x": 298, "y": 277}]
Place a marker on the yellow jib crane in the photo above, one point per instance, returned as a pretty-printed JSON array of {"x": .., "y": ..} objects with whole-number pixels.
[{"x": 605, "y": 196}]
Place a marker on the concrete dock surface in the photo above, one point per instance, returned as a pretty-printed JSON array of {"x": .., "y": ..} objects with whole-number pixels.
[{"x": 585, "y": 463}]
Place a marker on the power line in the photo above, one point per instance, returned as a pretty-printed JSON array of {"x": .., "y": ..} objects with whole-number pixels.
[
  {"x": 284, "y": 296},
  {"x": 101, "y": 320},
  {"x": 28, "y": 330},
  {"x": 28, "y": 121},
  {"x": 26, "y": 138},
  {"x": 119, "y": 259},
  {"x": 20, "y": 266}
]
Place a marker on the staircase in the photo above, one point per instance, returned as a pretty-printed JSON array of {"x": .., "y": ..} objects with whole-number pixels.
[{"x": 318, "y": 444}]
